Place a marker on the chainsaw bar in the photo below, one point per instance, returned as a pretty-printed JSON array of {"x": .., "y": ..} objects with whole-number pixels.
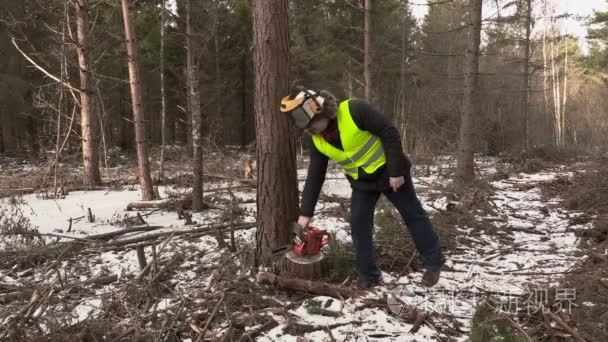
[{"x": 296, "y": 229}]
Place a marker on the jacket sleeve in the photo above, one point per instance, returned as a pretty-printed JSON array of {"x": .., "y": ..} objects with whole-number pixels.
[
  {"x": 368, "y": 118},
  {"x": 317, "y": 168}
]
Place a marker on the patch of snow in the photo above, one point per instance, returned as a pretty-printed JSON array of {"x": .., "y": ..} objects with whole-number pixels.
[{"x": 86, "y": 309}]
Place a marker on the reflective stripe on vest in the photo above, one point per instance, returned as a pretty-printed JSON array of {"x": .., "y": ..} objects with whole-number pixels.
[
  {"x": 361, "y": 149},
  {"x": 368, "y": 146}
]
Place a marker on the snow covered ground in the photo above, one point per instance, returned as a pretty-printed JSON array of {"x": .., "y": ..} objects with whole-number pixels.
[{"x": 534, "y": 246}]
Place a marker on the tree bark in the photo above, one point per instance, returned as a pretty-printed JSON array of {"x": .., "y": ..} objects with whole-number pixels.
[
  {"x": 556, "y": 92},
  {"x": 187, "y": 133},
  {"x": 195, "y": 109},
  {"x": 277, "y": 195},
  {"x": 545, "y": 67},
  {"x": 565, "y": 91},
  {"x": 306, "y": 267},
  {"x": 218, "y": 71},
  {"x": 147, "y": 190},
  {"x": 470, "y": 105},
  {"x": 90, "y": 153},
  {"x": 526, "y": 80},
  {"x": 367, "y": 60},
  {"x": 244, "y": 103},
  {"x": 9, "y": 140},
  {"x": 163, "y": 99}
]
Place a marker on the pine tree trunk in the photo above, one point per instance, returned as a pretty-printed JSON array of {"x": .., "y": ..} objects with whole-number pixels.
[
  {"x": 195, "y": 109},
  {"x": 367, "y": 62},
  {"x": 403, "y": 79},
  {"x": 556, "y": 94},
  {"x": 147, "y": 190},
  {"x": 545, "y": 68},
  {"x": 526, "y": 79},
  {"x": 470, "y": 106},
  {"x": 277, "y": 191},
  {"x": 565, "y": 92},
  {"x": 187, "y": 123},
  {"x": 218, "y": 73},
  {"x": 1, "y": 138},
  {"x": 9, "y": 144},
  {"x": 244, "y": 126},
  {"x": 90, "y": 153},
  {"x": 163, "y": 99}
]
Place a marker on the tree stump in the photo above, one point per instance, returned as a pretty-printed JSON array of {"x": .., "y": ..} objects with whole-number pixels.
[{"x": 306, "y": 267}]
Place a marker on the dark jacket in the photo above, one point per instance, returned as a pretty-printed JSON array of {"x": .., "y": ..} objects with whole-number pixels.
[{"x": 367, "y": 118}]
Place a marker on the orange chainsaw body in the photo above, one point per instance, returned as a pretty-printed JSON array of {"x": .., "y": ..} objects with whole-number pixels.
[{"x": 312, "y": 239}]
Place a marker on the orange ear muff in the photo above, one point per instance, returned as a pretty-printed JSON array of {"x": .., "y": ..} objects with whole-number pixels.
[{"x": 287, "y": 105}]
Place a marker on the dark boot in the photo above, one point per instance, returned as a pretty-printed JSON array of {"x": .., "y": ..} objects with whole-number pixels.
[
  {"x": 431, "y": 277},
  {"x": 365, "y": 284}
]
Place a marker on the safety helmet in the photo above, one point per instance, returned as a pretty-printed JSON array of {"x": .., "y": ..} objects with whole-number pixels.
[{"x": 303, "y": 106}]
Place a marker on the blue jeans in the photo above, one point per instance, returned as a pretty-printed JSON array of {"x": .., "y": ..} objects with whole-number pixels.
[{"x": 363, "y": 205}]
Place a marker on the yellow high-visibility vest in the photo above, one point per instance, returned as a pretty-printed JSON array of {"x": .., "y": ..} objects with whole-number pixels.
[{"x": 361, "y": 148}]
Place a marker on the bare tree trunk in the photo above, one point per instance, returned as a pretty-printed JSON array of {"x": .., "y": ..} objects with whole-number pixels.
[
  {"x": 147, "y": 190},
  {"x": 545, "y": 68},
  {"x": 277, "y": 196},
  {"x": 163, "y": 100},
  {"x": 218, "y": 74},
  {"x": 526, "y": 79},
  {"x": 350, "y": 77},
  {"x": 61, "y": 104},
  {"x": 470, "y": 105},
  {"x": 187, "y": 126},
  {"x": 244, "y": 126},
  {"x": 556, "y": 94},
  {"x": 403, "y": 80},
  {"x": 367, "y": 62},
  {"x": 1, "y": 138},
  {"x": 195, "y": 109},
  {"x": 90, "y": 153},
  {"x": 565, "y": 93}
]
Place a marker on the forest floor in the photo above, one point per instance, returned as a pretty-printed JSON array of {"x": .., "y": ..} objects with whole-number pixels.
[{"x": 518, "y": 242}]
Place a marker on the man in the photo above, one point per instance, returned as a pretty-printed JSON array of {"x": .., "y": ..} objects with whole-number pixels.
[{"x": 368, "y": 147}]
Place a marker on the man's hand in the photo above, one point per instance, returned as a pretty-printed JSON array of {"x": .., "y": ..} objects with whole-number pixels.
[
  {"x": 304, "y": 221},
  {"x": 396, "y": 182}
]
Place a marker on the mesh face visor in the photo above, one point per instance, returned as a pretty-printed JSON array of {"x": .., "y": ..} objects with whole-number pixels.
[{"x": 300, "y": 117}]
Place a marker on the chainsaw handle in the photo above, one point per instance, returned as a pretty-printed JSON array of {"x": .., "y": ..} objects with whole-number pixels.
[{"x": 326, "y": 239}]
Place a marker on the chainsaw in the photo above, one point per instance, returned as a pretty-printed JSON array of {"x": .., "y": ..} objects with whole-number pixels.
[{"x": 307, "y": 241}]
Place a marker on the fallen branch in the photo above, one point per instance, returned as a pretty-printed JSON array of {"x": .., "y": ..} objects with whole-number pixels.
[
  {"x": 111, "y": 235},
  {"x": 22, "y": 292},
  {"x": 217, "y": 306},
  {"x": 307, "y": 286},
  {"x": 150, "y": 205},
  {"x": 303, "y": 328},
  {"x": 563, "y": 324},
  {"x": 145, "y": 270},
  {"x": 202, "y": 231}
]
